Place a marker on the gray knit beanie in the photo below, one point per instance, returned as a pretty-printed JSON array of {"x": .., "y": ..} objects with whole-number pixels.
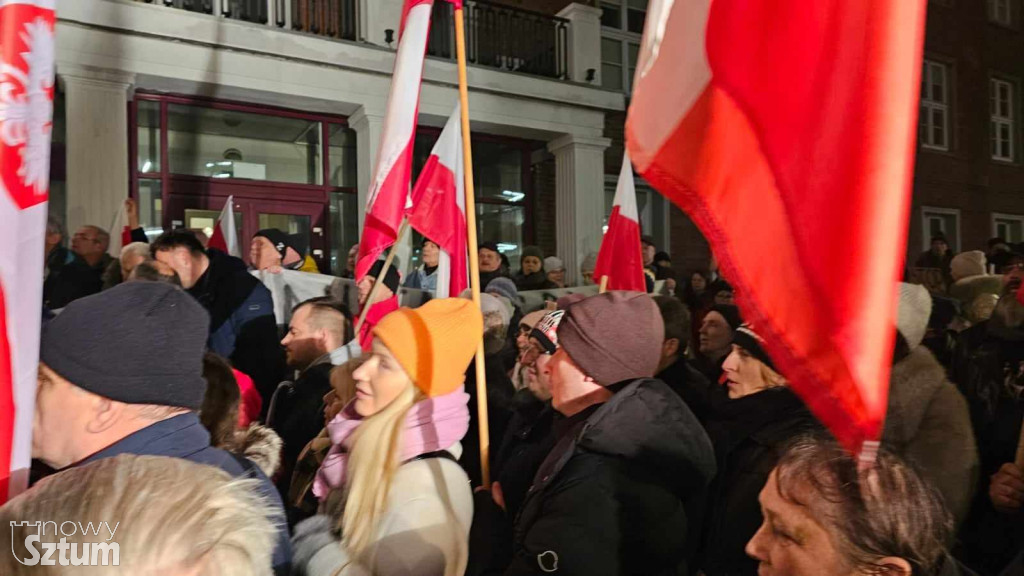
[{"x": 137, "y": 343}]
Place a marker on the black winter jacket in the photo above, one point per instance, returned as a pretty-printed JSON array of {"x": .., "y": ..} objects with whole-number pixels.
[
  {"x": 749, "y": 435},
  {"x": 989, "y": 370},
  {"x": 68, "y": 278},
  {"x": 299, "y": 415},
  {"x": 619, "y": 495},
  {"x": 692, "y": 386}
]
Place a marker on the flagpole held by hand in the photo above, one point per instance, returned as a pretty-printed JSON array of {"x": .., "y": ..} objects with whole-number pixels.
[
  {"x": 380, "y": 278},
  {"x": 604, "y": 285},
  {"x": 474, "y": 264}
]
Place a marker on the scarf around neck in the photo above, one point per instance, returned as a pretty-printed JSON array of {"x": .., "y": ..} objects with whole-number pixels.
[{"x": 431, "y": 424}]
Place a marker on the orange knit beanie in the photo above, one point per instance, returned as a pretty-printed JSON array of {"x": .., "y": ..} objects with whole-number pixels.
[{"x": 435, "y": 342}]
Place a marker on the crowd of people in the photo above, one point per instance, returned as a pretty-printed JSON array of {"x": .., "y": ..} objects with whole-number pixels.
[{"x": 629, "y": 433}]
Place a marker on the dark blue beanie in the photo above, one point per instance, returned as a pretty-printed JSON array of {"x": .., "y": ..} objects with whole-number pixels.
[{"x": 137, "y": 343}]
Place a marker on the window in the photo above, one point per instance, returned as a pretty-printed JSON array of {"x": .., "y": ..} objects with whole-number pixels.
[
  {"x": 1001, "y": 12},
  {"x": 622, "y": 23},
  {"x": 940, "y": 222},
  {"x": 1001, "y": 108},
  {"x": 1008, "y": 227},
  {"x": 220, "y": 143},
  {"x": 933, "y": 124}
]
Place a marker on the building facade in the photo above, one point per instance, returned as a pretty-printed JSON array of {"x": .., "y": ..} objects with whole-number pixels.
[
  {"x": 280, "y": 104},
  {"x": 969, "y": 178}
]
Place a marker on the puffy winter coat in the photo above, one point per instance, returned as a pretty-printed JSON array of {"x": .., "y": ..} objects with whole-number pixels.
[
  {"x": 749, "y": 435},
  {"x": 299, "y": 415},
  {"x": 426, "y": 524},
  {"x": 929, "y": 425},
  {"x": 620, "y": 495},
  {"x": 242, "y": 324}
]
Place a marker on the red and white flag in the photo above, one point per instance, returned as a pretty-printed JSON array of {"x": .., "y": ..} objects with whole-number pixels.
[
  {"x": 225, "y": 236},
  {"x": 26, "y": 121},
  {"x": 786, "y": 130},
  {"x": 392, "y": 175},
  {"x": 120, "y": 233},
  {"x": 439, "y": 208},
  {"x": 621, "y": 257}
]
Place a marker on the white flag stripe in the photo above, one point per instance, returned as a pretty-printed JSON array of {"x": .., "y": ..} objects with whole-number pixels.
[
  {"x": 400, "y": 118},
  {"x": 625, "y": 191}
]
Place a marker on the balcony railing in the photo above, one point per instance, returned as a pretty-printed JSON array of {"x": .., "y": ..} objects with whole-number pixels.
[
  {"x": 503, "y": 37},
  {"x": 330, "y": 18}
]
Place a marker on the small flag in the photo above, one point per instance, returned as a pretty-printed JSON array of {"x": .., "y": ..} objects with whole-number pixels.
[
  {"x": 620, "y": 257},
  {"x": 439, "y": 208},
  {"x": 225, "y": 236}
]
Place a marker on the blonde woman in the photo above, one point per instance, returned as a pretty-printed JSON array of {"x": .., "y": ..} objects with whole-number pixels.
[
  {"x": 396, "y": 500},
  {"x": 749, "y": 430}
]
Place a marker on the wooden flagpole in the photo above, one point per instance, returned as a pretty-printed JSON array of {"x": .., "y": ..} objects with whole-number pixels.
[
  {"x": 474, "y": 264},
  {"x": 604, "y": 285},
  {"x": 380, "y": 278}
]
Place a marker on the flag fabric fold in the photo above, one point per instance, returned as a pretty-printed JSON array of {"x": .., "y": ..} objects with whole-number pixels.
[
  {"x": 392, "y": 174},
  {"x": 26, "y": 121},
  {"x": 225, "y": 234},
  {"x": 621, "y": 257},
  {"x": 439, "y": 208},
  {"x": 786, "y": 130},
  {"x": 120, "y": 233}
]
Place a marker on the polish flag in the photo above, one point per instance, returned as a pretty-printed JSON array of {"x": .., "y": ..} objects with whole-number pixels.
[
  {"x": 621, "y": 257},
  {"x": 225, "y": 235},
  {"x": 439, "y": 208},
  {"x": 389, "y": 189},
  {"x": 26, "y": 122},
  {"x": 786, "y": 130},
  {"x": 120, "y": 233}
]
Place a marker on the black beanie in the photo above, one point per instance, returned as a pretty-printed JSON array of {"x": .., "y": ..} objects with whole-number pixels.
[
  {"x": 730, "y": 313},
  {"x": 746, "y": 338},
  {"x": 279, "y": 239},
  {"x": 137, "y": 343},
  {"x": 390, "y": 280}
]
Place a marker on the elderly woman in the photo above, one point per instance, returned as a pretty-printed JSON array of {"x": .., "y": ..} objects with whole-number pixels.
[
  {"x": 398, "y": 501},
  {"x": 749, "y": 431},
  {"x": 824, "y": 516}
]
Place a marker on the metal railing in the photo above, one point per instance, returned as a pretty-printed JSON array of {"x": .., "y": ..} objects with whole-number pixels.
[
  {"x": 503, "y": 37},
  {"x": 329, "y": 18}
]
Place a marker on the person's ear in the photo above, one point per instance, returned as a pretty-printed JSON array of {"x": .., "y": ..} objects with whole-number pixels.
[
  {"x": 670, "y": 347},
  {"x": 891, "y": 566},
  {"x": 105, "y": 413}
]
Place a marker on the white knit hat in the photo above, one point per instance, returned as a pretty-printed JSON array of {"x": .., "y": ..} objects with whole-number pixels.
[
  {"x": 968, "y": 264},
  {"x": 914, "y": 311},
  {"x": 552, "y": 263}
]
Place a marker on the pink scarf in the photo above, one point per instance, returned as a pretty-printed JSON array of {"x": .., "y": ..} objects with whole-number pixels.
[{"x": 430, "y": 425}]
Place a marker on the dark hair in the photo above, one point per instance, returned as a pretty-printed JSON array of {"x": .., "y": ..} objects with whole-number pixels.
[
  {"x": 676, "y": 319},
  {"x": 328, "y": 305},
  {"x": 146, "y": 271},
  {"x": 886, "y": 510},
  {"x": 993, "y": 242},
  {"x": 219, "y": 411},
  {"x": 177, "y": 238},
  {"x": 940, "y": 238}
]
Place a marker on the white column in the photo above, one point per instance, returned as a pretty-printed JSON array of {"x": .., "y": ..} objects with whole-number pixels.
[
  {"x": 584, "y": 41},
  {"x": 579, "y": 198},
  {"x": 376, "y": 16},
  {"x": 369, "y": 125},
  {"x": 97, "y": 145}
]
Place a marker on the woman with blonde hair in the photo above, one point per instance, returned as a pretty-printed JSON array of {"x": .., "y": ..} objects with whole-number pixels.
[
  {"x": 394, "y": 498},
  {"x": 749, "y": 430}
]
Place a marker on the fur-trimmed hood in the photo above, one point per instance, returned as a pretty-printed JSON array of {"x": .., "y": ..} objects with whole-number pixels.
[{"x": 262, "y": 446}]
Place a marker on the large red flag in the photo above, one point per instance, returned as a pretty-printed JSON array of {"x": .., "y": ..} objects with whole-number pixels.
[
  {"x": 26, "y": 112},
  {"x": 785, "y": 129},
  {"x": 439, "y": 208},
  {"x": 392, "y": 174},
  {"x": 620, "y": 257}
]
